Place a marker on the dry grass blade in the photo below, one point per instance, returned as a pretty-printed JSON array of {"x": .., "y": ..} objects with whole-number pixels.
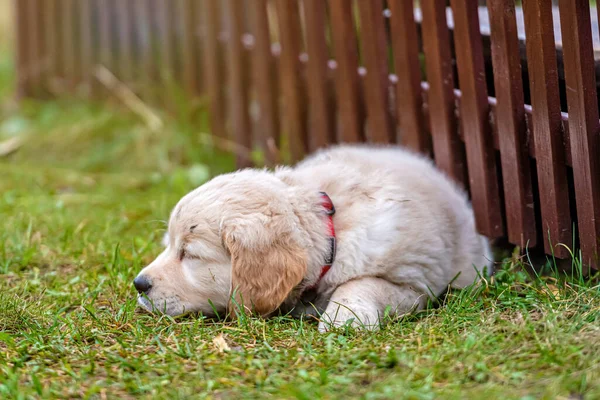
[
  {"x": 11, "y": 145},
  {"x": 128, "y": 98},
  {"x": 225, "y": 145}
]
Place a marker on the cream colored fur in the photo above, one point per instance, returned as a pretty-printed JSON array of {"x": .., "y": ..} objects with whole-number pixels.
[{"x": 405, "y": 233}]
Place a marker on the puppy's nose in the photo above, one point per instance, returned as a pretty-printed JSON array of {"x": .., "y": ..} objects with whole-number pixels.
[{"x": 142, "y": 284}]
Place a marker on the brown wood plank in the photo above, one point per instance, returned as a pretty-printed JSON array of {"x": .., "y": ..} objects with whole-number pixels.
[
  {"x": 409, "y": 101},
  {"x": 124, "y": 24},
  {"x": 321, "y": 109},
  {"x": 68, "y": 22},
  {"x": 347, "y": 86},
  {"x": 165, "y": 44},
  {"x": 87, "y": 47},
  {"x": 105, "y": 34},
  {"x": 28, "y": 36},
  {"x": 266, "y": 85},
  {"x": 146, "y": 65},
  {"x": 239, "y": 78},
  {"x": 447, "y": 147},
  {"x": 483, "y": 179},
  {"x": 199, "y": 30},
  {"x": 51, "y": 28},
  {"x": 543, "y": 79},
  {"x": 596, "y": 28},
  {"x": 185, "y": 11},
  {"x": 374, "y": 50},
  {"x": 294, "y": 95},
  {"x": 583, "y": 122},
  {"x": 510, "y": 119},
  {"x": 43, "y": 47},
  {"x": 22, "y": 48},
  {"x": 214, "y": 67},
  {"x": 35, "y": 46}
]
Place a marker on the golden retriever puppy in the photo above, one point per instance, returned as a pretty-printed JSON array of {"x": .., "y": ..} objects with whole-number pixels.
[{"x": 366, "y": 231}]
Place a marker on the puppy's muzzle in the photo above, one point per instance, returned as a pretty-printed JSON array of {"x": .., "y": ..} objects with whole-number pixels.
[{"x": 142, "y": 284}]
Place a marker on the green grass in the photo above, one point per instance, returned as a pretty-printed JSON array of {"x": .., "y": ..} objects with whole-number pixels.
[
  {"x": 82, "y": 208},
  {"x": 83, "y": 205}
]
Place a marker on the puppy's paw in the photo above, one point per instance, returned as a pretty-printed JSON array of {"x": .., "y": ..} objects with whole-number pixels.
[{"x": 338, "y": 316}]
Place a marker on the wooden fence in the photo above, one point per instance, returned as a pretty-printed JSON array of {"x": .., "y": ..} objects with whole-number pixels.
[{"x": 290, "y": 76}]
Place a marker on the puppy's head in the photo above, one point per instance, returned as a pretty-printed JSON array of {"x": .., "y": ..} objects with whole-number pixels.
[{"x": 235, "y": 241}]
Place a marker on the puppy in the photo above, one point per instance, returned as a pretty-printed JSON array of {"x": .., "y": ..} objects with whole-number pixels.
[{"x": 366, "y": 231}]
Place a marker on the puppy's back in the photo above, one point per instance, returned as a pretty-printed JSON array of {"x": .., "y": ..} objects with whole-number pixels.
[{"x": 417, "y": 177}]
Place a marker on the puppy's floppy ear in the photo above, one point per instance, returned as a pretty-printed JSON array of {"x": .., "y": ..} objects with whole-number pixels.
[{"x": 267, "y": 262}]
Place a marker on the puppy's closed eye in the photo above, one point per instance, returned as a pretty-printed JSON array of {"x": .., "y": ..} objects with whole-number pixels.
[{"x": 185, "y": 254}]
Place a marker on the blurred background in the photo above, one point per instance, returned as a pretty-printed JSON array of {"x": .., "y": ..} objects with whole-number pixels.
[{"x": 57, "y": 111}]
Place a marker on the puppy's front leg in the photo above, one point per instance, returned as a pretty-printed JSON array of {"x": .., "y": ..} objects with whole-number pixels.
[{"x": 365, "y": 301}]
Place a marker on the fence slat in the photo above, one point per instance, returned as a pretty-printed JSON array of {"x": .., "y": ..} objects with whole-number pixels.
[
  {"x": 348, "y": 93},
  {"x": 213, "y": 66},
  {"x": 447, "y": 147},
  {"x": 124, "y": 22},
  {"x": 294, "y": 94},
  {"x": 105, "y": 34},
  {"x": 374, "y": 48},
  {"x": 35, "y": 45},
  {"x": 52, "y": 42},
  {"x": 409, "y": 98},
  {"x": 265, "y": 77},
  {"x": 199, "y": 31},
  {"x": 166, "y": 46},
  {"x": 485, "y": 195},
  {"x": 186, "y": 16},
  {"x": 238, "y": 82},
  {"x": 511, "y": 124},
  {"x": 549, "y": 149},
  {"x": 67, "y": 22},
  {"x": 321, "y": 110},
  {"x": 146, "y": 64},
  {"x": 22, "y": 51},
  {"x": 86, "y": 48},
  {"x": 583, "y": 121}
]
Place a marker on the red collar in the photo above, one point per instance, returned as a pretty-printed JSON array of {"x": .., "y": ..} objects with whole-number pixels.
[{"x": 329, "y": 211}]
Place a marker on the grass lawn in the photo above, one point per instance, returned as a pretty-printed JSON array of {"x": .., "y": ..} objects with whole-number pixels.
[{"x": 83, "y": 205}]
